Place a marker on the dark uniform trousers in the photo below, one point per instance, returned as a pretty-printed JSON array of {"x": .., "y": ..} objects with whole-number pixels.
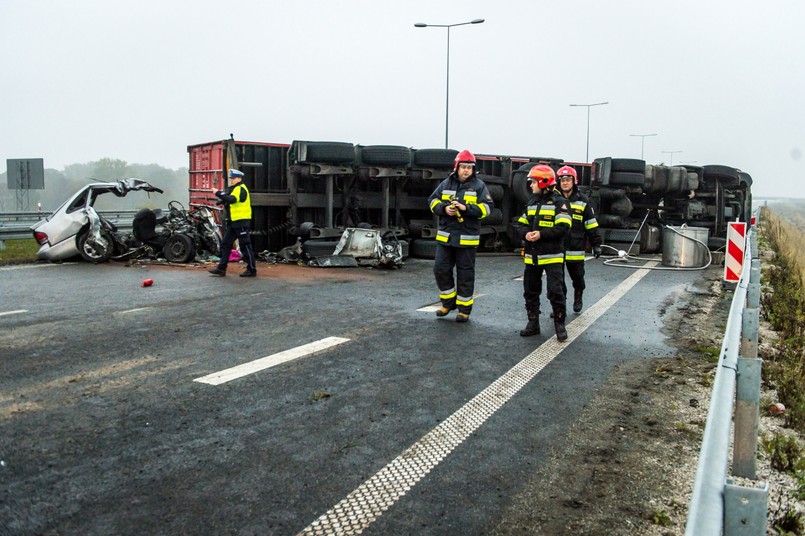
[
  {"x": 555, "y": 281},
  {"x": 575, "y": 269},
  {"x": 463, "y": 259},
  {"x": 238, "y": 230}
]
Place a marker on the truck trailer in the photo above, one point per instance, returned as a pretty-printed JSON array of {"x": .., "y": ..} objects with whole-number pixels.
[{"x": 311, "y": 191}]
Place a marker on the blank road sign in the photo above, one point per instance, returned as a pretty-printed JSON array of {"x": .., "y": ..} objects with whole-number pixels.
[{"x": 26, "y": 173}]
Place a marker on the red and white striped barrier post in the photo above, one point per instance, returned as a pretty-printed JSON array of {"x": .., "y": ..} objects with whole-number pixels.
[{"x": 736, "y": 245}]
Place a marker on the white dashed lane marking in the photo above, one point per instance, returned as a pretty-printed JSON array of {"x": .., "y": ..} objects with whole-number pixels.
[
  {"x": 217, "y": 378},
  {"x": 18, "y": 311}
]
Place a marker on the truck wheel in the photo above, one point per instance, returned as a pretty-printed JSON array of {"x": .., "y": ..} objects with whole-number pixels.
[
  {"x": 628, "y": 165},
  {"x": 522, "y": 192},
  {"x": 179, "y": 248},
  {"x": 496, "y": 191},
  {"x": 623, "y": 178},
  {"x": 95, "y": 255},
  {"x": 387, "y": 155},
  {"x": 330, "y": 152},
  {"x": 423, "y": 248},
  {"x": 726, "y": 175},
  {"x": 495, "y": 217},
  {"x": 435, "y": 158}
]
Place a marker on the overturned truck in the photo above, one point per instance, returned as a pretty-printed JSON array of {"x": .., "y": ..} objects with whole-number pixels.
[{"x": 311, "y": 191}]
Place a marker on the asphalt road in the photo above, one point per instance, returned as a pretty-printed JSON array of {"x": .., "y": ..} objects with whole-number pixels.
[{"x": 408, "y": 425}]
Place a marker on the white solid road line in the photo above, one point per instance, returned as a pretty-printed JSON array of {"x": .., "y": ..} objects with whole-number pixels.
[
  {"x": 217, "y": 378},
  {"x": 27, "y": 266},
  {"x": 367, "y": 503},
  {"x": 18, "y": 311}
]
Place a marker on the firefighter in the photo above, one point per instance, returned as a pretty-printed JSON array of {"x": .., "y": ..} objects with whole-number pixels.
[
  {"x": 460, "y": 201},
  {"x": 239, "y": 218},
  {"x": 584, "y": 228},
  {"x": 543, "y": 228}
]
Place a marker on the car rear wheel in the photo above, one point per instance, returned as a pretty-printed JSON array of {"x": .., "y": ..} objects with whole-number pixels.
[{"x": 96, "y": 253}]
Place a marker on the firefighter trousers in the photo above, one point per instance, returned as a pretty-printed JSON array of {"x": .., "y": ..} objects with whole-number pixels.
[
  {"x": 575, "y": 269},
  {"x": 555, "y": 283},
  {"x": 455, "y": 292}
]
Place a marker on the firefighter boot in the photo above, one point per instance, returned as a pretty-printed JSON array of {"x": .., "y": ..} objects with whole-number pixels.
[
  {"x": 532, "y": 328},
  {"x": 577, "y": 304},
  {"x": 559, "y": 324}
]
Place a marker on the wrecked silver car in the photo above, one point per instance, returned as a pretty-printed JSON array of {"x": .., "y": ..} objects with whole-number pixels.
[{"x": 77, "y": 229}]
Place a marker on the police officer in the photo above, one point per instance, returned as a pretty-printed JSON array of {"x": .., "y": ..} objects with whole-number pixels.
[
  {"x": 239, "y": 217},
  {"x": 542, "y": 228},
  {"x": 460, "y": 201},
  {"x": 584, "y": 227}
]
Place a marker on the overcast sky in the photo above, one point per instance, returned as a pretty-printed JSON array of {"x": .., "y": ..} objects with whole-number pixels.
[{"x": 719, "y": 82}]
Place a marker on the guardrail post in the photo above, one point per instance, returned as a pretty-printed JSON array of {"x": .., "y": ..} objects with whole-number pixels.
[
  {"x": 753, "y": 289},
  {"x": 2, "y": 245},
  {"x": 745, "y": 509},
  {"x": 747, "y": 401}
]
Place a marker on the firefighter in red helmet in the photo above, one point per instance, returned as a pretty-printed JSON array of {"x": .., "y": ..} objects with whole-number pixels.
[
  {"x": 542, "y": 228},
  {"x": 460, "y": 202},
  {"x": 584, "y": 228}
]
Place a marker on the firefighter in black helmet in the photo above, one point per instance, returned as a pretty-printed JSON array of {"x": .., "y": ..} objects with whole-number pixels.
[{"x": 460, "y": 201}]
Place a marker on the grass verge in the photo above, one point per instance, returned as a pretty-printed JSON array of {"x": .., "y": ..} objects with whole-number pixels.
[{"x": 19, "y": 251}]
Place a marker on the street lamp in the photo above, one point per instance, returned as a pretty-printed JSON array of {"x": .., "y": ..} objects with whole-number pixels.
[
  {"x": 447, "y": 85},
  {"x": 587, "y": 157},
  {"x": 642, "y": 139},
  {"x": 672, "y": 156}
]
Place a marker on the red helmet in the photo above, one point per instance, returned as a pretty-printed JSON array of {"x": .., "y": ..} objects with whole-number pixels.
[
  {"x": 567, "y": 171},
  {"x": 543, "y": 174},
  {"x": 464, "y": 157}
]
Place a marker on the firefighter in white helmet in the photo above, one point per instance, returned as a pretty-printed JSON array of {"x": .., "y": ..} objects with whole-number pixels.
[{"x": 460, "y": 201}]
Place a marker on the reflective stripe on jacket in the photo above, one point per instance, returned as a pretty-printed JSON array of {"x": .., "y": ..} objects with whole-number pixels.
[
  {"x": 548, "y": 214},
  {"x": 584, "y": 227},
  {"x": 475, "y": 195}
]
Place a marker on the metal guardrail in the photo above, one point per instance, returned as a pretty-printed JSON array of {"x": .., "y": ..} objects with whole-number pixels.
[
  {"x": 17, "y": 225},
  {"x": 719, "y": 506}
]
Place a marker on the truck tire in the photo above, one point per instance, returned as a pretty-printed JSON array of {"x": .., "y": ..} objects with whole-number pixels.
[
  {"x": 744, "y": 179},
  {"x": 496, "y": 192},
  {"x": 727, "y": 176},
  {"x": 386, "y": 155},
  {"x": 675, "y": 183},
  {"x": 628, "y": 165},
  {"x": 435, "y": 158},
  {"x": 495, "y": 217},
  {"x": 423, "y": 248},
  {"x": 624, "y": 178},
  {"x": 522, "y": 192},
  {"x": 330, "y": 152}
]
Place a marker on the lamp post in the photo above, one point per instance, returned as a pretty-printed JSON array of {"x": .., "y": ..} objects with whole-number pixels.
[
  {"x": 672, "y": 156},
  {"x": 587, "y": 156},
  {"x": 642, "y": 139},
  {"x": 447, "y": 85}
]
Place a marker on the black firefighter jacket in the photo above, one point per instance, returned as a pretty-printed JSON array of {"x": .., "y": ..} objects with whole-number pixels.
[
  {"x": 475, "y": 195},
  {"x": 548, "y": 214}
]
